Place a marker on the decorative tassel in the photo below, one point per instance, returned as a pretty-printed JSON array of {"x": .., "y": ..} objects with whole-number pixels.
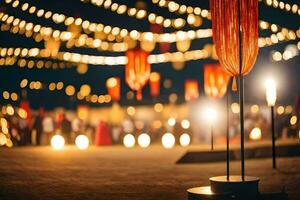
[
  {"x": 139, "y": 95},
  {"x": 234, "y": 84}
]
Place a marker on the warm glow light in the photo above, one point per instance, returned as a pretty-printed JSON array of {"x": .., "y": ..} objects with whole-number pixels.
[
  {"x": 144, "y": 140},
  {"x": 171, "y": 121},
  {"x": 184, "y": 139},
  {"x": 254, "y": 109},
  {"x": 129, "y": 141},
  {"x": 82, "y": 142},
  {"x": 185, "y": 124},
  {"x": 168, "y": 140},
  {"x": 158, "y": 107},
  {"x": 2, "y": 139},
  {"x": 280, "y": 110},
  {"x": 270, "y": 92},
  {"x": 235, "y": 108},
  {"x": 210, "y": 114},
  {"x": 10, "y": 110},
  {"x": 131, "y": 110},
  {"x": 57, "y": 142},
  {"x": 255, "y": 134},
  {"x": 293, "y": 120}
]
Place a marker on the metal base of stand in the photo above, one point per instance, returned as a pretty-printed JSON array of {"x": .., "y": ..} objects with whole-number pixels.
[
  {"x": 233, "y": 189},
  {"x": 223, "y": 189}
]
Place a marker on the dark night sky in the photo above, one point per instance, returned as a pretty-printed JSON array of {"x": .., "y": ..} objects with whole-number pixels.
[{"x": 288, "y": 72}]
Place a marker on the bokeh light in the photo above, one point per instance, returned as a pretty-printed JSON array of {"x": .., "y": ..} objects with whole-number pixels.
[
  {"x": 82, "y": 142},
  {"x": 293, "y": 120},
  {"x": 171, "y": 121},
  {"x": 185, "y": 139},
  {"x": 144, "y": 140},
  {"x": 185, "y": 124},
  {"x": 235, "y": 108},
  {"x": 129, "y": 141},
  {"x": 168, "y": 140},
  {"x": 57, "y": 142},
  {"x": 255, "y": 134}
]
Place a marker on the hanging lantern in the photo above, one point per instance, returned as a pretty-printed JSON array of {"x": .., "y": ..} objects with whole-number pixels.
[
  {"x": 113, "y": 88},
  {"x": 235, "y": 35},
  {"x": 226, "y": 34},
  {"x": 137, "y": 70},
  {"x": 191, "y": 90},
  {"x": 215, "y": 80},
  {"x": 154, "y": 84},
  {"x": 52, "y": 46}
]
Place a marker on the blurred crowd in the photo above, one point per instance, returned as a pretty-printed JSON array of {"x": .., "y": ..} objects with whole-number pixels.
[{"x": 39, "y": 128}]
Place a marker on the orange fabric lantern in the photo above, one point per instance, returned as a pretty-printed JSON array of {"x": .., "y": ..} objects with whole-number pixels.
[
  {"x": 113, "y": 88},
  {"x": 215, "y": 80},
  {"x": 154, "y": 84},
  {"x": 191, "y": 90},
  {"x": 137, "y": 70},
  {"x": 226, "y": 34}
]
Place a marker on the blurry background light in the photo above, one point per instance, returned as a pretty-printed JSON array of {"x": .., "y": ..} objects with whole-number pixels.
[
  {"x": 210, "y": 114},
  {"x": 82, "y": 142},
  {"x": 293, "y": 120},
  {"x": 57, "y": 142},
  {"x": 168, "y": 140},
  {"x": 184, "y": 140},
  {"x": 185, "y": 124},
  {"x": 255, "y": 134},
  {"x": 129, "y": 141},
  {"x": 144, "y": 140},
  {"x": 235, "y": 108},
  {"x": 280, "y": 110},
  {"x": 172, "y": 121},
  {"x": 271, "y": 95},
  {"x": 2, "y": 139}
]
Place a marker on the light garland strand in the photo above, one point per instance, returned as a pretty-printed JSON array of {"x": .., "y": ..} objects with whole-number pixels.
[
  {"x": 38, "y": 33},
  {"x": 106, "y": 29},
  {"x": 34, "y": 64},
  {"x": 106, "y": 60},
  {"x": 185, "y": 9},
  {"x": 290, "y": 8},
  {"x": 116, "y": 31},
  {"x": 83, "y": 94},
  {"x": 192, "y": 20}
]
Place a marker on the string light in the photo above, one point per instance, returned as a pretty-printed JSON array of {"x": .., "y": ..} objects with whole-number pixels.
[
  {"x": 106, "y": 60},
  {"x": 139, "y": 14},
  {"x": 184, "y": 9},
  {"x": 294, "y": 9},
  {"x": 123, "y": 33},
  {"x": 38, "y": 33},
  {"x": 133, "y": 34},
  {"x": 291, "y": 51},
  {"x": 69, "y": 90}
]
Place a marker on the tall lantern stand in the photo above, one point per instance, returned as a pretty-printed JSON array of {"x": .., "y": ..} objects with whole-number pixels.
[{"x": 271, "y": 96}]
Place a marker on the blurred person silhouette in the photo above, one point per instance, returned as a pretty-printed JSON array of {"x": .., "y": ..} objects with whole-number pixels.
[
  {"x": 66, "y": 128},
  {"x": 38, "y": 126},
  {"x": 48, "y": 129}
]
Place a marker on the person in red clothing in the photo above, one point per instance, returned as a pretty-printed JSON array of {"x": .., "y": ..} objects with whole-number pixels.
[{"x": 102, "y": 136}]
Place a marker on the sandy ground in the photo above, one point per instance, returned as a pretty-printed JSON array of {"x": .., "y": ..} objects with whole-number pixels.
[{"x": 116, "y": 173}]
